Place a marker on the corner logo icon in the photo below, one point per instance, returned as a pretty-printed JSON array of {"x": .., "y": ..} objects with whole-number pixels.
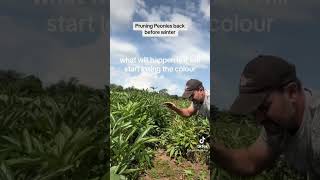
[{"x": 201, "y": 141}]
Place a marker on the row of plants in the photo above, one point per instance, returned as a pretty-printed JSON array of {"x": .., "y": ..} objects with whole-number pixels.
[
  {"x": 51, "y": 133},
  {"x": 141, "y": 124}
]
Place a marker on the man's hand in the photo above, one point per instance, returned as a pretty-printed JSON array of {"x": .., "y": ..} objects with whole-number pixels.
[{"x": 170, "y": 105}]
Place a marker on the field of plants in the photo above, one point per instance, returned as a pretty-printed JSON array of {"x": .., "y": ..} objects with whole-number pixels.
[
  {"x": 62, "y": 132},
  {"x": 51, "y": 133},
  {"x": 148, "y": 140},
  {"x": 141, "y": 127}
]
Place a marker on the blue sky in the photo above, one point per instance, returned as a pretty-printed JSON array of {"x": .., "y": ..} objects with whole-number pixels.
[{"x": 124, "y": 42}]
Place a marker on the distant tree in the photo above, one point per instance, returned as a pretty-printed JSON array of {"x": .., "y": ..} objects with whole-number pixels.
[
  {"x": 10, "y": 75},
  {"x": 73, "y": 82},
  {"x": 175, "y": 97},
  {"x": 30, "y": 85},
  {"x": 116, "y": 87},
  {"x": 153, "y": 88},
  {"x": 65, "y": 87},
  {"x": 164, "y": 91}
]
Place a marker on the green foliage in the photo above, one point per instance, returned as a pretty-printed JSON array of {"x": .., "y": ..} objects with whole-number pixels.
[
  {"x": 48, "y": 135},
  {"x": 131, "y": 126},
  {"x": 137, "y": 117},
  {"x": 239, "y": 132},
  {"x": 183, "y": 135},
  {"x": 140, "y": 124}
]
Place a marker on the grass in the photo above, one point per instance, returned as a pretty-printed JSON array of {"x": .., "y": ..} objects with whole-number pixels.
[
  {"x": 140, "y": 114},
  {"x": 51, "y": 133},
  {"x": 166, "y": 155}
]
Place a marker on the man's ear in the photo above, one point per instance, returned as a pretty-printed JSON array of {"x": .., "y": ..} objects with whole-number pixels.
[{"x": 292, "y": 90}]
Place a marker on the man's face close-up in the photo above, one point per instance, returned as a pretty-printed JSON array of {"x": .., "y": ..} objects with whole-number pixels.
[
  {"x": 198, "y": 96},
  {"x": 277, "y": 110}
]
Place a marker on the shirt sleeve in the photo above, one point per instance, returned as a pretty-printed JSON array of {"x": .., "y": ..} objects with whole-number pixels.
[{"x": 315, "y": 137}]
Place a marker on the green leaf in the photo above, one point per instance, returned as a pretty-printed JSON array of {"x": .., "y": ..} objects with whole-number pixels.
[
  {"x": 12, "y": 140},
  {"x": 56, "y": 173},
  {"x": 5, "y": 173},
  {"x": 25, "y": 162},
  {"x": 27, "y": 139}
]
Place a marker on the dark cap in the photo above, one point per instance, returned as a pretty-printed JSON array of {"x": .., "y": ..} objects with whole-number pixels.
[
  {"x": 191, "y": 85},
  {"x": 260, "y": 76}
]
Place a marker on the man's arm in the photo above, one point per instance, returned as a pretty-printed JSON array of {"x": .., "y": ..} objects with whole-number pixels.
[
  {"x": 246, "y": 161},
  {"x": 185, "y": 112}
]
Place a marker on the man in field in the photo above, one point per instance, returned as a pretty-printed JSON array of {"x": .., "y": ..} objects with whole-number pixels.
[
  {"x": 199, "y": 97},
  {"x": 289, "y": 114}
]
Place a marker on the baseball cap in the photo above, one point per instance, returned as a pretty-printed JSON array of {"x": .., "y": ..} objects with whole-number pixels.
[
  {"x": 191, "y": 85},
  {"x": 259, "y": 77}
]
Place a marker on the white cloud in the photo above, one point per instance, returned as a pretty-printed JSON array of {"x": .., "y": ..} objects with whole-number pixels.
[
  {"x": 121, "y": 13},
  {"x": 118, "y": 76},
  {"x": 146, "y": 80},
  {"x": 119, "y": 48},
  {"x": 188, "y": 43},
  {"x": 181, "y": 18},
  {"x": 143, "y": 80},
  {"x": 141, "y": 3},
  {"x": 205, "y": 8},
  {"x": 155, "y": 14}
]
